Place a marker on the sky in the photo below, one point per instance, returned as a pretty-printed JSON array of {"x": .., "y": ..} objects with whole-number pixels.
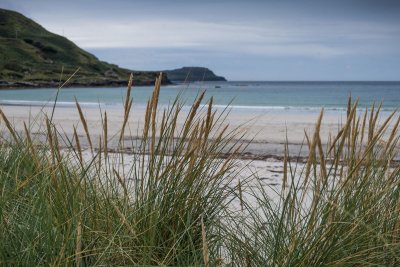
[{"x": 241, "y": 40}]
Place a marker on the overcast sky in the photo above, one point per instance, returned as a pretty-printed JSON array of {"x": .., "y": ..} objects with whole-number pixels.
[{"x": 241, "y": 40}]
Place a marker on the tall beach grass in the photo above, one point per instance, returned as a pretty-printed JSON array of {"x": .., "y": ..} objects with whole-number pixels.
[{"x": 177, "y": 202}]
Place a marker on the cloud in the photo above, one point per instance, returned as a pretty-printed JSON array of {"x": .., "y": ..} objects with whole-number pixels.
[{"x": 265, "y": 38}]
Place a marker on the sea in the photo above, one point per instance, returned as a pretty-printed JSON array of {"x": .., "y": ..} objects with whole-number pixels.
[{"x": 241, "y": 96}]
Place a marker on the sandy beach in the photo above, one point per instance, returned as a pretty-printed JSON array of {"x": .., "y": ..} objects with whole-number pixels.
[{"x": 267, "y": 130}]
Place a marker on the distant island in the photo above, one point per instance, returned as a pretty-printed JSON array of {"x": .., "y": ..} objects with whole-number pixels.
[
  {"x": 192, "y": 74},
  {"x": 31, "y": 56}
]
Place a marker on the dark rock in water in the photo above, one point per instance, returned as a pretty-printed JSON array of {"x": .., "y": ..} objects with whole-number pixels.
[{"x": 192, "y": 74}]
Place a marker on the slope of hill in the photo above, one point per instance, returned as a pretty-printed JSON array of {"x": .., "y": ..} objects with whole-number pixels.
[
  {"x": 32, "y": 56},
  {"x": 192, "y": 74}
]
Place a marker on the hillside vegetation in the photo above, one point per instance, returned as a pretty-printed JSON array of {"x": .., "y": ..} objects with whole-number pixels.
[{"x": 31, "y": 55}]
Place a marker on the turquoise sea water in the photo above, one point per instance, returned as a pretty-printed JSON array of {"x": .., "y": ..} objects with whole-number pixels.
[{"x": 295, "y": 96}]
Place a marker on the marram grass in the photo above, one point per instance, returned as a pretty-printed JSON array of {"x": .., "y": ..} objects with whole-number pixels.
[
  {"x": 174, "y": 205},
  {"x": 343, "y": 211}
]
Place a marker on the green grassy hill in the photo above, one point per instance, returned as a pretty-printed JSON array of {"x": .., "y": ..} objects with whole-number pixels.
[{"x": 31, "y": 54}]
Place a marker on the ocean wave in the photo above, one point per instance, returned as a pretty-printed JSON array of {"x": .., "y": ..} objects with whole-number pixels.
[
  {"x": 293, "y": 108},
  {"x": 49, "y": 103},
  {"x": 218, "y": 106}
]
